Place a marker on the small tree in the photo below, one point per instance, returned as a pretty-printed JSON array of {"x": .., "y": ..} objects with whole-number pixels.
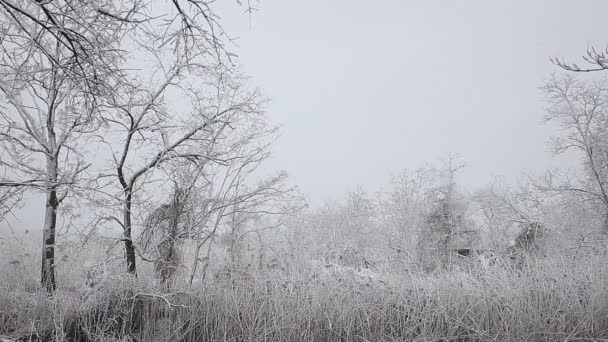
[
  {"x": 513, "y": 216},
  {"x": 163, "y": 233},
  {"x": 402, "y": 210},
  {"x": 445, "y": 219}
]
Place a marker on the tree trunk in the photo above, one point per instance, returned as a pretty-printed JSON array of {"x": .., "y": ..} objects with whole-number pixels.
[
  {"x": 167, "y": 263},
  {"x": 200, "y": 244},
  {"x": 606, "y": 220},
  {"x": 196, "y": 261},
  {"x": 129, "y": 247},
  {"x": 47, "y": 278},
  {"x": 207, "y": 261}
]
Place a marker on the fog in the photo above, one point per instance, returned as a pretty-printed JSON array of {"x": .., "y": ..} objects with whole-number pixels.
[
  {"x": 363, "y": 89},
  {"x": 303, "y": 170}
]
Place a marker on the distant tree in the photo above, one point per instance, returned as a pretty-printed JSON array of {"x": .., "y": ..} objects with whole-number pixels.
[
  {"x": 445, "y": 220},
  {"x": 504, "y": 204},
  {"x": 340, "y": 232},
  {"x": 257, "y": 208},
  {"x": 402, "y": 209},
  {"x": 581, "y": 108},
  {"x": 235, "y": 202},
  {"x": 514, "y": 216}
]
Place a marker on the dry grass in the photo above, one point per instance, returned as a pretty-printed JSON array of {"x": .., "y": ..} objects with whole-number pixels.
[{"x": 549, "y": 300}]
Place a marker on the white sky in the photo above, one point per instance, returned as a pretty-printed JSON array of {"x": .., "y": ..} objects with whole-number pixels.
[{"x": 364, "y": 89}]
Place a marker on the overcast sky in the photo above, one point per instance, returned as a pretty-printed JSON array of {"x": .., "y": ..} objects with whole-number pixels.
[{"x": 364, "y": 89}]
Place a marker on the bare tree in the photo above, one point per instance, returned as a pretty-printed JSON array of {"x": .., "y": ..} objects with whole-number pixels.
[
  {"x": 41, "y": 141},
  {"x": 255, "y": 209},
  {"x": 79, "y": 39},
  {"x": 143, "y": 136},
  {"x": 596, "y": 60},
  {"x": 403, "y": 208},
  {"x": 86, "y": 31},
  {"x": 234, "y": 200},
  {"x": 170, "y": 49},
  {"x": 510, "y": 210},
  {"x": 581, "y": 108},
  {"x": 505, "y": 204},
  {"x": 60, "y": 61},
  {"x": 445, "y": 222},
  {"x": 50, "y": 101}
]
